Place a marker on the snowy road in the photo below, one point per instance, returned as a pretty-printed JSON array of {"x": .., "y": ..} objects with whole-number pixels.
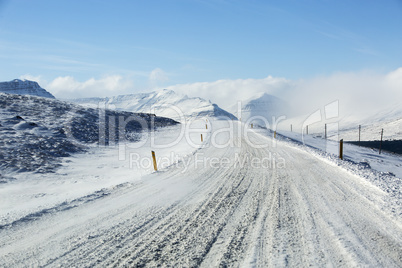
[{"x": 291, "y": 209}]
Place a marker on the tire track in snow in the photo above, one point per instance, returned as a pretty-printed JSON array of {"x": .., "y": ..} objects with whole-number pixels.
[
  {"x": 187, "y": 231},
  {"x": 105, "y": 247}
]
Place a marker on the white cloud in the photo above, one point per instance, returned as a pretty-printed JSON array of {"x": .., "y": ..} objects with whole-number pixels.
[
  {"x": 227, "y": 92},
  {"x": 67, "y": 87},
  {"x": 394, "y": 80},
  {"x": 358, "y": 92},
  {"x": 362, "y": 92},
  {"x": 30, "y": 77},
  {"x": 158, "y": 77}
]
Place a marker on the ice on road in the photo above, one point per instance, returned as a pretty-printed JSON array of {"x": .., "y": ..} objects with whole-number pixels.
[{"x": 231, "y": 204}]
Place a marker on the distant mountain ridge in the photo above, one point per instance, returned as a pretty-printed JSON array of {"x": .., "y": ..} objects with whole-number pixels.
[
  {"x": 166, "y": 103},
  {"x": 24, "y": 87},
  {"x": 261, "y": 105}
]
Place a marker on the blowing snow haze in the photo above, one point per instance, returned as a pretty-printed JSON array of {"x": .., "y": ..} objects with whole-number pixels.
[{"x": 201, "y": 133}]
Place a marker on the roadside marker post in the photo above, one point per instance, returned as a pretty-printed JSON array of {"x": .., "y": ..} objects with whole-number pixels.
[
  {"x": 201, "y": 138},
  {"x": 359, "y": 133},
  {"x": 307, "y": 129},
  {"x": 251, "y": 125},
  {"x": 341, "y": 149},
  {"x": 206, "y": 126},
  {"x": 275, "y": 134},
  {"x": 154, "y": 158},
  {"x": 382, "y": 132},
  {"x": 325, "y": 131}
]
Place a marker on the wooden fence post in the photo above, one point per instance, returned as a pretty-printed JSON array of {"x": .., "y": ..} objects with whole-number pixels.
[
  {"x": 341, "y": 149},
  {"x": 382, "y": 131},
  {"x": 359, "y": 134},
  {"x": 154, "y": 158}
]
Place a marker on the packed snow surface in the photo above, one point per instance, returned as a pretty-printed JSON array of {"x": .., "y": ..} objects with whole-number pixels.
[{"x": 239, "y": 198}]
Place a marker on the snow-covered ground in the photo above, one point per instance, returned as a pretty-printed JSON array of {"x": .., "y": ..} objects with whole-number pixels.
[
  {"x": 389, "y": 119},
  {"x": 372, "y": 131},
  {"x": 97, "y": 171},
  {"x": 239, "y": 198},
  {"x": 388, "y": 163}
]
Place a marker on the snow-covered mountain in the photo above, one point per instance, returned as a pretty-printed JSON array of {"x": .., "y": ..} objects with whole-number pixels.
[
  {"x": 261, "y": 105},
  {"x": 165, "y": 103},
  {"x": 24, "y": 87}
]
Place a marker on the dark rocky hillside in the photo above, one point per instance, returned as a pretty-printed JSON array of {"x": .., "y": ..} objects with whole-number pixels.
[{"x": 36, "y": 132}]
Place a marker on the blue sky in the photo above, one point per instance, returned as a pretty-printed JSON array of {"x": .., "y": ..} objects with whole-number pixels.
[{"x": 147, "y": 44}]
